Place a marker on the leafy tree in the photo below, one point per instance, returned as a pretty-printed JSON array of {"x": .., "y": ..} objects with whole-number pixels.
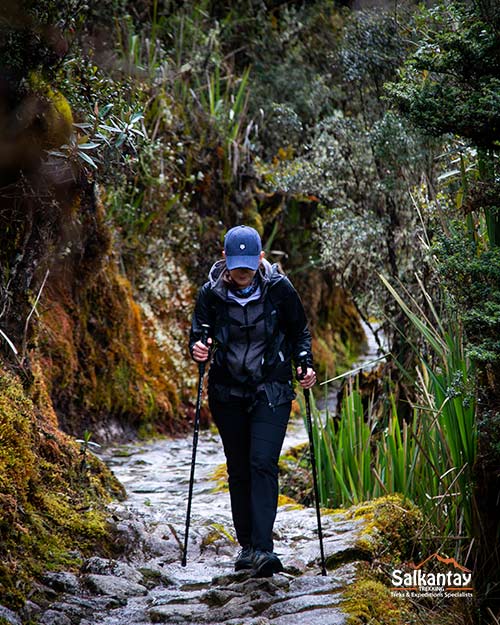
[{"x": 450, "y": 85}]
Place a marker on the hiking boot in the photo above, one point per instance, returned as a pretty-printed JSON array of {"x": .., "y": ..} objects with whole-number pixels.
[
  {"x": 266, "y": 563},
  {"x": 244, "y": 559}
]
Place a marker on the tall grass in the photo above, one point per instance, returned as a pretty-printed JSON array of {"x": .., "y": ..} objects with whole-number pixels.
[
  {"x": 224, "y": 101},
  {"x": 429, "y": 459}
]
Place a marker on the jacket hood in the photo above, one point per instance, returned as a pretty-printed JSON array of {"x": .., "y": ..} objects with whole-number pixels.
[{"x": 269, "y": 274}]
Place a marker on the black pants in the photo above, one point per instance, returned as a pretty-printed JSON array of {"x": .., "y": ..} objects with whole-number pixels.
[{"x": 252, "y": 434}]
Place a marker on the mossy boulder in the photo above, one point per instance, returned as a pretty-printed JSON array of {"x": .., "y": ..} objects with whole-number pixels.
[
  {"x": 392, "y": 525},
  {"x": 40, "y": 120},
  {"x": 53, "y": 112},
  {"x": 50, "y": 508},
  {"x": 369, "y": 601}
]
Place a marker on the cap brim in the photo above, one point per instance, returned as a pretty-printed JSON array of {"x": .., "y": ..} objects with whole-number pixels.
[{"x": 243, "y": 262}]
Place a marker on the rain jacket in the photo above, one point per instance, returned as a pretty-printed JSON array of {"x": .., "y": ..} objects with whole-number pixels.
[{"x": 253, "y": 344}]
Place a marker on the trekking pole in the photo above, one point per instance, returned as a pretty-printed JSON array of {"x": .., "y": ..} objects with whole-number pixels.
[
  {"x": 201, "y": 368},
  {"x": 303, "y": 369}
]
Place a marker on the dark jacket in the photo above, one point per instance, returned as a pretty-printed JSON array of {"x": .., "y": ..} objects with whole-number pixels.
[{"x": 253, "y": 345}]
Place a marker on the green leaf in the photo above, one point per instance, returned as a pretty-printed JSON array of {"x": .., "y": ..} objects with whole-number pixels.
[
  {"x": 88, "y": 146},
  {"x": 87, "y": 159}
]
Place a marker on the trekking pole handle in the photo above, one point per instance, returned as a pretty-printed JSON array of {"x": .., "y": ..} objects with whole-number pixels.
[
  {"x": 303, "y": 364},
  {"x": 205, "y": 330}
]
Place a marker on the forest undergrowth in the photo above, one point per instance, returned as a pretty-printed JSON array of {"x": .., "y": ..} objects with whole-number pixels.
[{"x": 362, "y": 145}]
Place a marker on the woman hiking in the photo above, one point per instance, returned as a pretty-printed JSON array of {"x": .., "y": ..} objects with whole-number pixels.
[{"x": 257, "y": 328}]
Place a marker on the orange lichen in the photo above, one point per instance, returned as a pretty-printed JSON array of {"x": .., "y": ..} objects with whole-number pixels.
[{"x": 99, "y": 360}]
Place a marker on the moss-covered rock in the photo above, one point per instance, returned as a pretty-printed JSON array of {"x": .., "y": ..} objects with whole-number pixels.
[
  {"x": 50, "y": 501},
  {"x": 369, "y": 601},
  {"x": 392, "y": 525},
  {"x": 100, "y": 363},
  {"x": 41, "y": 119},
  {"x": 53, "y": 112}
]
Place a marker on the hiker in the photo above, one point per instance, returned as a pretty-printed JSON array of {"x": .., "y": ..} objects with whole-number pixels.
[{"x": 257, "y": 327}]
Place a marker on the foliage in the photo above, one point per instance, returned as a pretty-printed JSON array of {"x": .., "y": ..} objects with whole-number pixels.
[
  {"x": 34, "y": 34},
  {"x": 361, "y": 177},
  {"x": 430, "y": 459},
  {"x": 451, "y": 83},
  {"x": 475, "y": 287},
  {"x": 359, "y": 159},
  {"x": 371, "y": 50}
]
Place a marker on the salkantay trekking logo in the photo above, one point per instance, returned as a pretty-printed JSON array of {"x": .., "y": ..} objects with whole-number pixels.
[{"x": 454, "y": 582}]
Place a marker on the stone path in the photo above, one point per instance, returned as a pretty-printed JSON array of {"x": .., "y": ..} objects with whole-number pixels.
[{"x": 149, "y": 585}]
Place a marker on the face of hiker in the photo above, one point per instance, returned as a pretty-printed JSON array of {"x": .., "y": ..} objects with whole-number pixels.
[{"x": 242, "y": 276}]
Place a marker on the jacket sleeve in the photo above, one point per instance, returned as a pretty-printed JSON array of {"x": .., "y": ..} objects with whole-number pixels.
[
  {"x": 203, "y": 313},
  {"x": 295, "y": 322}
]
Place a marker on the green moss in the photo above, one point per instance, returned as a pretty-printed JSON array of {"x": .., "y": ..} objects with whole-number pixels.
[
  {"x": 55, "y": 112},
  {"x": 49, "y": 513},
  {"x": 391, "y": 527},
  {"x": 291, "y": 504},
  {"x": 101, "y": 362},
  {"x": 216, "y": 534},
  {"x": 220, "y": 477},
  {"x": 369, "y": 601}
]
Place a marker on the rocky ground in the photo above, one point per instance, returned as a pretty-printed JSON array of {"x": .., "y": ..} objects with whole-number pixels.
[{"x": 149, "y": 585}]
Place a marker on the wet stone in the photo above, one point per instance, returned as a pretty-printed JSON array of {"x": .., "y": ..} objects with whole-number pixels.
[
  {"x": 239, "y": 607},
  {"x": 176, "y": 596},
  {"x": 218, "y": 597},
  {"x": 308, "y": 584},
  {"x": 147, "y": 488},
  {"x": 113, "y": 586},
  {"x": 313, "y": 617},
  {"x": 51, "y": 617},
  {"x": 152, "y": 577},
  {"x": 149, "y": 585},
  {"x": 101, "y": 566},
  {"x": 299, "y": 604},
  {"x": 177, "y": 613},
  {"x": 295, "y": 566},
  {"x": 77, "y": 608},
  {"x": 29, "y": 611},
  {"x": 270, "y": 585},
  {"x": 260, "y": 620},
  {"x": 62, "y": 582},
  {"x": 9, "y": 616}
]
